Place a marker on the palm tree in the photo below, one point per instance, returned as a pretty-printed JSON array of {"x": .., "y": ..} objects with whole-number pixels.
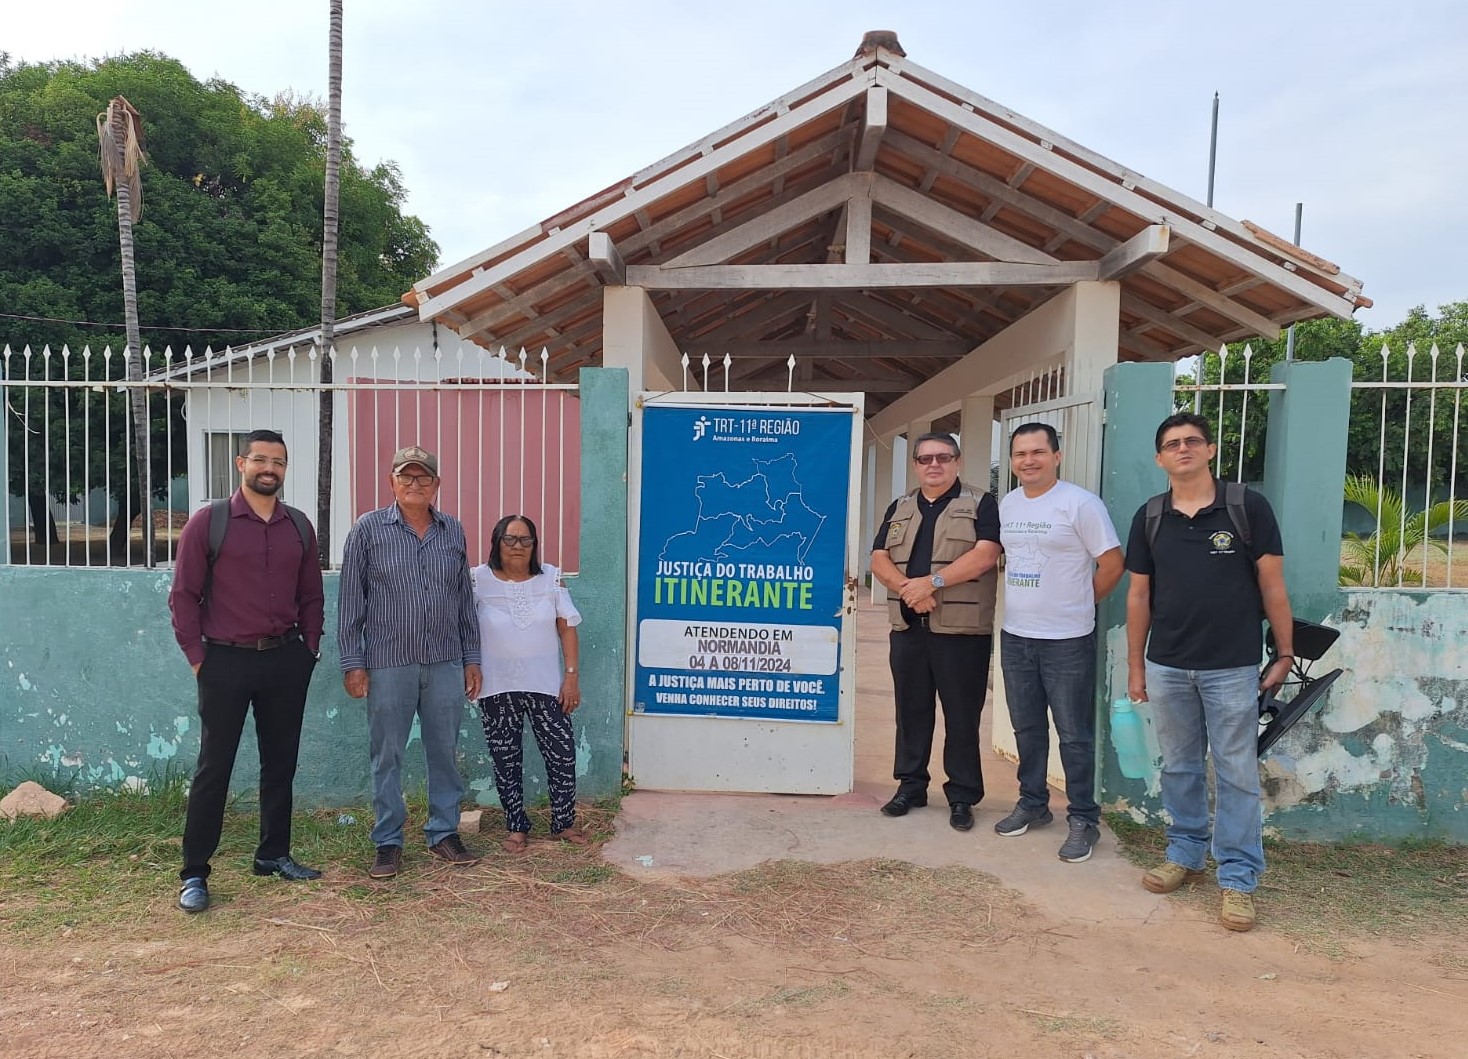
[
  {"x": 1379, "y": 559},
  {"x": 120, "y": 151},
  {"x": 326, "y": 397}
]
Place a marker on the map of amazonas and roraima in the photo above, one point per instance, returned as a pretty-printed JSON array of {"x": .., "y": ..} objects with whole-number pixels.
[{"x": 764, "y": 517}]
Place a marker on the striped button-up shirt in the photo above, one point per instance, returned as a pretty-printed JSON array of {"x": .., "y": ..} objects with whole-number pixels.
[{"x": 406, "y": 600}]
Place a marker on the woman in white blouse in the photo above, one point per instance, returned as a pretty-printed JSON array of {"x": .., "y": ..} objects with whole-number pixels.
[{"x": 527, "y": 626}]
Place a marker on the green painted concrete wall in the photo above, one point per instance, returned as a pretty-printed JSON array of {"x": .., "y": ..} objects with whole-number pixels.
[
  {"x": 92, "y": 684},
  {"x": 1386, "y": 755}
]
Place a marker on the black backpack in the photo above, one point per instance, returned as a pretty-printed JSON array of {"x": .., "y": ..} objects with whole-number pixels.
[
  {"x": 1233, "y": 496},
  {"x": 219, "y": 527}
]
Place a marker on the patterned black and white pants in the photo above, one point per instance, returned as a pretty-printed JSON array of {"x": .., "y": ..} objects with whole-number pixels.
[{"x": 504, "y": 725}]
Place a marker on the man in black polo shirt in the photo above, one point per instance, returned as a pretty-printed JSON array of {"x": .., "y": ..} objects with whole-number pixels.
[
  {"x": 936, "y": 553},
  {"x": 1202, "y": 591}
]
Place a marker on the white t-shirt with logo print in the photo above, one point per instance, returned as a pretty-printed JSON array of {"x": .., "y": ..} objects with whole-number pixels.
[{"x": 1051, "y": 542}]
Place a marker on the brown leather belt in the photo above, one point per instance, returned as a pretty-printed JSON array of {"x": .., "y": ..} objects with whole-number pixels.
[{"x": 265, "y": 643}]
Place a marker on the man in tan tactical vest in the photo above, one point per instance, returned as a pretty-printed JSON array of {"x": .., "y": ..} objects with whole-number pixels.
[{"x": 936, "y": 553}]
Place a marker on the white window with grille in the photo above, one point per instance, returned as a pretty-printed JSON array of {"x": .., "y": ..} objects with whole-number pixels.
[{"x": 220, "y": 449}]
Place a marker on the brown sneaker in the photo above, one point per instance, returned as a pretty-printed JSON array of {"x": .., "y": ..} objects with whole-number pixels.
[
  {"x": 388, "y": 862},
  {"x": 452, "y": 850},
  {"x": 1168, "y": 876},
  {"x": 1237, "y": 911}
]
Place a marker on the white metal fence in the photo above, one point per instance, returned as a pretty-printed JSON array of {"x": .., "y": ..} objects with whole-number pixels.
[
  {"x": 1406, "y": 442},
  {"x": 508, "y": 442}
]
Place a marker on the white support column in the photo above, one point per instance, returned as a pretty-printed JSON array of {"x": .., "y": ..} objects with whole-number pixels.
[
  {"x": 916, "y": 428},
  {"x": 1091, "y": 350},
  {"x": 883, "y": 493},
  {"x": 634, "y": 337},
  {"x": 976, "y": 434}
]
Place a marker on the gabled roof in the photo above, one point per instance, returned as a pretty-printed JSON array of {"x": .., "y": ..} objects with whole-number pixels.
[{"x": 946, "y": 176}]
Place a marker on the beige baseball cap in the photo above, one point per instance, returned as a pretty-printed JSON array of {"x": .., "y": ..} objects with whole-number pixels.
[{"x": 410, "y": 454}]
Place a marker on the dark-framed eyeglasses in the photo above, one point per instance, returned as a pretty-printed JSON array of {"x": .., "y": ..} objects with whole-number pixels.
[
  {"x": 1192, "y": 441},
  {"x": 940, "y": 458},
  {"x": 514, "y": 540},
  {"x": 415, "y": 479}
]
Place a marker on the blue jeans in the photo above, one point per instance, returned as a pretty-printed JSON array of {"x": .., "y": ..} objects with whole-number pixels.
[
  {"x": 1056, "y": 677},
  {"x": 435, "y": 695},
  {"x": 1196, "y": 710}
]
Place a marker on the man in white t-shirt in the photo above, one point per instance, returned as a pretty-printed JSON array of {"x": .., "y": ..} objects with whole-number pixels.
[{"x": 1061, "y": 555}]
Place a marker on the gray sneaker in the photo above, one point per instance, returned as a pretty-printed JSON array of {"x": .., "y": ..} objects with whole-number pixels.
[
  {"x": 1022, "y": 819},
  {"x": 1080, "y": 842}
]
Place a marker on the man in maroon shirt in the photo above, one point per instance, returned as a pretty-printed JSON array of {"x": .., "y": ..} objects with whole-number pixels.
[{"x": 250, "y": 627}]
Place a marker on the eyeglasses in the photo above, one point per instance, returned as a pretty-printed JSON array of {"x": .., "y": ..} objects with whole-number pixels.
[
  {"x": 266, "y": 461},
  {"x": 1192, "y": 441},
  {"x": 415, "y": 479},
  {"x": 514, "y": 540},
  {"x": 940, "y": 458}
]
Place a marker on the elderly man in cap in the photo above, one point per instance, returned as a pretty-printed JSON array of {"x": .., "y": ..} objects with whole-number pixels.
[{"x": 409, "y": 641}]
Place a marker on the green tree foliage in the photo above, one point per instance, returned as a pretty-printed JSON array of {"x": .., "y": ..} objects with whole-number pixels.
[{"x": 229, "y": 249}]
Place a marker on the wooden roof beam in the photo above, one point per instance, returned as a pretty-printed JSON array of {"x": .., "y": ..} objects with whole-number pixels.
[
  {"x": 1130, "y": 303},
  {"x": 858, "y": 277},
  {"x": 769, "y": 225},
  {"x": 604, "y": 257},
  {"x": 874, "y": 127},
  {"x": 953, "y": 226},
  {"x": 838, "y": 348},
  {"x": 1146, "y": 246}
]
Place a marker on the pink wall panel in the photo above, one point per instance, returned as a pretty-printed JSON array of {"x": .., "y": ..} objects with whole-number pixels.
[{"x": 501, "y": 452}]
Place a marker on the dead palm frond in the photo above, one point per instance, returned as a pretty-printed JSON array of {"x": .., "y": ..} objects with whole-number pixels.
[{"x": 122, "y": 163}]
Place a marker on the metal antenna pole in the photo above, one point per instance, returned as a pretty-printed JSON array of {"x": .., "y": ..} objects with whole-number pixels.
[
  {"x": 1212, "y": 149},
  {"x": 1290, "y": 339}
]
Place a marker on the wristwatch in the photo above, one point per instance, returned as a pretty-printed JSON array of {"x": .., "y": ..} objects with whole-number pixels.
[
  {"x": 570, "y": 669},
  {"x": 937, "y": 580}
]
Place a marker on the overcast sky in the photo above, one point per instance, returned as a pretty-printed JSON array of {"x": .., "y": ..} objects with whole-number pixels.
[{"x": 502, "y": 114}]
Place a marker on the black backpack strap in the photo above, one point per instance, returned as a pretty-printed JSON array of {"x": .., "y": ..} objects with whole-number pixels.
[
  {"x": 1233, "y": 496},
  {"x": 1154, "y": 517},
  {"x": 303, "y": 525},
  {"x": 218, "y": 527}
]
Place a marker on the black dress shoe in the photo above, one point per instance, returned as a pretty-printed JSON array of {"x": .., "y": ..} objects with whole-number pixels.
[
  {"x": 286, "y": 869},
  {"x": 960, "y": 816},
  {"x": 901, "y": 803},
  {"x": 193, "y": 896}
]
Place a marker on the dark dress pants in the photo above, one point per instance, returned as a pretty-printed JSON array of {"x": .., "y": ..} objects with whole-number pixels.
[
  {"x": 927, "y": 667},
  {"x": 231, "y": 680}
]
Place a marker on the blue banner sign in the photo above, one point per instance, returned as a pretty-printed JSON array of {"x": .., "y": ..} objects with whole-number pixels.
[{"x": 741, "y": 562}]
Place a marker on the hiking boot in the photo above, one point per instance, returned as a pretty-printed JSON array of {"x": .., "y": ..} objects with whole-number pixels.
[
  {"x": 1022, "y": 819},
  {"x": 1169, "y": 875},
  {"x": 389, "y": 860},
  {"x": 451, "y": 848},
  {"x": 1080, "y": 842},
  {"x": 1237, "y": 911}
]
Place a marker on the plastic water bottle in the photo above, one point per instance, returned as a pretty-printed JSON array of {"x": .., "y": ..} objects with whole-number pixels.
[{"x": 1131, "y": 745}]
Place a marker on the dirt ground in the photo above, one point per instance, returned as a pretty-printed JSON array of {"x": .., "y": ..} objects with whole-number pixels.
[
  {"x": 553, "y": 955},
  {"x": 564, "y": 953}
]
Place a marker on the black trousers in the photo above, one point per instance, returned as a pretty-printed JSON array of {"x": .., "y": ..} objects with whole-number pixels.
[
  {"x": 231, "y": 680},
  {"x": 926, "y": 667},
  {"x": 504, "y": 729}
]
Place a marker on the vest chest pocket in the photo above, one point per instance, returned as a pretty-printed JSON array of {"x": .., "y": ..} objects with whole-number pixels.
[{"x": 896, "y": 534}]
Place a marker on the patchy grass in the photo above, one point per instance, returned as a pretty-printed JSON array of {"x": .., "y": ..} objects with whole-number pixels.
[
  {"x": 113, "y": 860},
  {"x": 1326, "y": 895}
]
